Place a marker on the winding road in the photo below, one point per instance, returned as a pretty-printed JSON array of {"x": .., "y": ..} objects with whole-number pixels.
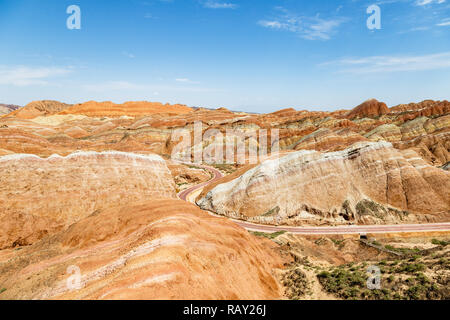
[{"x": 190, "y": 194}]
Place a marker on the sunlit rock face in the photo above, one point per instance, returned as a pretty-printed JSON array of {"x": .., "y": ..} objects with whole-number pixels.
[
  {"x": 158, "y": 249},
  {"x": 39, "y": 108},
  {"x": 43, "y": 195},
  {"x": 427, "y": 108},
  {"x": 138, "y": 108},
  {"x": 366, "y": 183},
  {"x": 146, "y": 127},
  {"x": 150, "y": 128},
  {"x": 328, "y": 140},
  {"x": 369, "y": 108}
]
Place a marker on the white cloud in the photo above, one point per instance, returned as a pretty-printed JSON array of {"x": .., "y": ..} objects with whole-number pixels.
[
  {"x": 444, "y": 23},
  {"x": 210, "y": 4},
  {"x": 426, "y": 2},
  {"x": 423, "y": 2},
  {"x": 272, "y": 24},
  {"x": 310, "y": 28},
  {"x": 186, "y": 80},
  {"x": 26, "y": 76},
  {"x": 128, "y": 55},
  {"x": 385, "y": 64}
]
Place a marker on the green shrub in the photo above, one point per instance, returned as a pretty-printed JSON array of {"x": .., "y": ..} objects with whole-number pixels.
[
  {"x": 440, "y": 242},
  {"x": 411, "y": 267},
  {"x": 268, "y": 235}
]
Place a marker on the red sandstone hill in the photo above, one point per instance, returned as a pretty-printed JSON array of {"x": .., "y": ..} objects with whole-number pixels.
[
  {"x": 132, "y": 108},
  {"x": 369, "y": 108},
  {"x": 39, "y": 108},
  {"x": 158, "y": 249},
  {"x": 425, "y": 108}
]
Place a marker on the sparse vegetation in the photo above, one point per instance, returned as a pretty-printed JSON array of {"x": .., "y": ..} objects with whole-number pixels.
[
  {"x": 226, "y": 168},
  {"x": 418, "y": 274},
  {"x": 367, "y": 207},
  {"x": 404, "y": 251},
  {"x": 410, "y": 267},
  {"x": 344, "y": 283},
  {"x": 440, "y": 242},
  {"x": 272, "y": 211},
  {"x": 2, "y": 290},
  {"x": 296, "y": 283},
  {"x": 376, "y": 243},
  {"x": 268, "y": 235},
  {"x": 338, "y": 243},
  {"x": 400, "y": 279}
]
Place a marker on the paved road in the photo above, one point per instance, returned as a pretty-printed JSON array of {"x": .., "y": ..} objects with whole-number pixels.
[{"x": 216, "y": 175}]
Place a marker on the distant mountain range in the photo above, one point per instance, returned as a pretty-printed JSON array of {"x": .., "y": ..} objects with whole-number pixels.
[{"x": 7, "y": 108}]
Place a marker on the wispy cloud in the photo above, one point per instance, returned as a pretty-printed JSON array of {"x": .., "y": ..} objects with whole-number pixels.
[
  {"x": 444, "y": 23},
  {"x": 211, "y": 4},
  {"x": 128, "y": 55},
  {"x": 310, "y": 28},
  {"x": 386, "y": 64},
  {"x": 427, "y": 2},
  {"x": 26, "y": 76},
  {"x": 186, "y": 80}
]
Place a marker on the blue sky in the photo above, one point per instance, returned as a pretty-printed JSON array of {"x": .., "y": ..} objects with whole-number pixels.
[{"x": 251, "y": 55}]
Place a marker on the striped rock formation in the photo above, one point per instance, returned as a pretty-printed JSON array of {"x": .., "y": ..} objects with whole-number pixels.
[
  {"x": 138, "y": 108},
  {"x": 41, "y": 196},
  {"x": 368, "y": 183},
  {"x": 39, "y": 108},
  {"x": 7, "y": 108},
  {"x": 159, "y": 249}
]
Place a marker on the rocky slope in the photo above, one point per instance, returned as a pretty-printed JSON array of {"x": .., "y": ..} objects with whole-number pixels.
[
  {"x": 39, "y": 108},
  {"x": 369, "y": 108},
  {"x": 41, "y": 196},
  {"x": 421, "y": 129},
  {"x": 368, "y": 183},
  {"x": 7, "y": 108},
  {"x": 93, "y": 192},
  {"x": 159, "y": 249},
  {"x": 110, "y": 109},
  {"x": 150, "y": 128}
]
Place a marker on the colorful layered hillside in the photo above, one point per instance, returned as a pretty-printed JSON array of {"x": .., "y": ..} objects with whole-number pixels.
[
  {"x": 369, "y": 108},
  {"x": 368, "y": 183},
  {"x": 91, "y": 187},
  {"x": 132, "y": 109},
  {"x": 41, "y": 196},
  {"x": 297, "y": 130},
  {"x": 7, "y": 108},
  {"x": 39, "y": 108},
  {"x": 159, "y": 249}
]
